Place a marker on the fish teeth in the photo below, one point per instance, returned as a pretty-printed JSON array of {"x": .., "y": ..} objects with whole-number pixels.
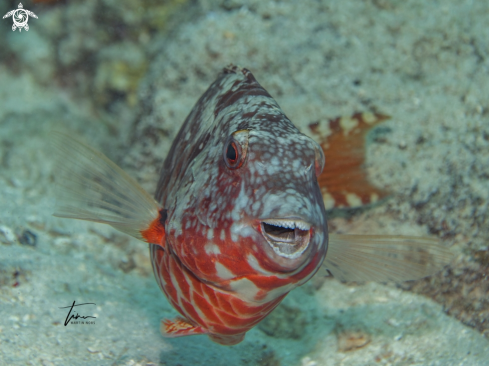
[
  {"x": 289, "y": 224},
  {"x": 302, "y": 225}
]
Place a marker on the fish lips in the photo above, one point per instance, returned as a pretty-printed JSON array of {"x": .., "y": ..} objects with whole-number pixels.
[{"x": 289, "y": 238}]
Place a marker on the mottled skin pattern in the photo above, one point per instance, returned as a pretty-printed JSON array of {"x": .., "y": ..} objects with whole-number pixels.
[{"x": 215, "y": 265}]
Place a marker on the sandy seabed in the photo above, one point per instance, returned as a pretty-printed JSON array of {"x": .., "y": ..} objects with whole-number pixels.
[{"x": 123, "y": 77}]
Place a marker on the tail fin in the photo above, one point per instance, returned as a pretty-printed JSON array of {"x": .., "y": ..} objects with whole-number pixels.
[
  {"x": 384, "y": 258},
  {"x": 93, "y": 188},
  {"x": 344, "y": 182}
]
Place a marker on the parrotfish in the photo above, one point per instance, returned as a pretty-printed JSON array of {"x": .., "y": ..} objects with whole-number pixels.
[{"x": 239, "y": 217}]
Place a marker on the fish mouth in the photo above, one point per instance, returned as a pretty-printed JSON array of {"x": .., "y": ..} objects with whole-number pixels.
[{"x": 287, "y": 237}]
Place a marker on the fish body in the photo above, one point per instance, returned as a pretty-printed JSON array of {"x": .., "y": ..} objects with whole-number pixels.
[
  {"x": 238, "y": 219},
  {"x": 217, "y": 267}
]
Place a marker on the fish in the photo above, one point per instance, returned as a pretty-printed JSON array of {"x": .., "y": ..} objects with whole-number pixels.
[{"x": 238, "y": 219}]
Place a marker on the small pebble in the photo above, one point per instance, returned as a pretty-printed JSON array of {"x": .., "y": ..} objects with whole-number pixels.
[
  {"x": 7, "y": 235},
  {"x": 28, "y": 238},
  {"x": 352, "y": 340}
]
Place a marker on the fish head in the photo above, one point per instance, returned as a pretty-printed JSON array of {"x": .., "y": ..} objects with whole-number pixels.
[
  {"x": 276, "y": 207},
  {"x": 278, "y": 200}
]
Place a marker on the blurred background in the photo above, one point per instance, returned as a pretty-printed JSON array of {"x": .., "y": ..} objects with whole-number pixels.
[{"x": 123, "y": 75}]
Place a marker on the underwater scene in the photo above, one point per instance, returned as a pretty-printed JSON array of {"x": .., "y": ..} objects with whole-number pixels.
[{"x": 244, "y": 182}]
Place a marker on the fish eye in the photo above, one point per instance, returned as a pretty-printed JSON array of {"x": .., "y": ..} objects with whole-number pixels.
[
  {"x": 235, "y": 149},
  {"x": 232, "y": 154}
]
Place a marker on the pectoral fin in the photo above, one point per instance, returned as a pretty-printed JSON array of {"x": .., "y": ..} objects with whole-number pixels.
[
  {"x": 384, "y": 258},
  {"x": 91, "y": 187}
]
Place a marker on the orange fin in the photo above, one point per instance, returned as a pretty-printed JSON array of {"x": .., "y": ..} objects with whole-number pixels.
[
  {"x": 179, "y": 327},
  {"x": 155, "y": 233},
  {"x": 344, "y": 182}
]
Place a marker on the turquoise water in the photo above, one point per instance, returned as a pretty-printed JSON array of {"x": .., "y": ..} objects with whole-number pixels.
[{"x": 122, "y": 76}]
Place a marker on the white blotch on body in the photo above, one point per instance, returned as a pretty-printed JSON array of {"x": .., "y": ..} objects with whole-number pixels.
[
  {"x": 211, "y": 248},
  {"x": 223, "y": 272},
  {"x": 245, "y": 288}
]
